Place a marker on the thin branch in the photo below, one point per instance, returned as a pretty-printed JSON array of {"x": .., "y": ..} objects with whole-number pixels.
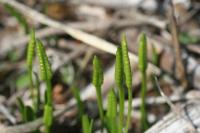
[
  {"x": 177, "y": 110},
  {"x": 187, "y": 122},
  {"x": 7, "y": 114},
  {"x": 168, "y": 101}
]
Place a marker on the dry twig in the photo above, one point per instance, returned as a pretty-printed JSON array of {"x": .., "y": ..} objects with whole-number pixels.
[
  {"x": 179, "y": 66},
  {"x": 178, "y": 111}
]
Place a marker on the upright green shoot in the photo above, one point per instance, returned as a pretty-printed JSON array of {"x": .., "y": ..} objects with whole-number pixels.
[
  {"x": 45, "y": 70},
  {"x": 97, "y": 80},
  {"x": 29, "y": 60},
  {"x": 76, "y": 93},
  {"x": 128, "y": 78},
  {"x": 27, "y": 113},
  {"x": 86, "y": 124},
  {"x": 112, "y": 112},
  {"x": 119, "y": 83},
  {"x": 142, "y": 67},
  {"x": 46, "y": 75}
]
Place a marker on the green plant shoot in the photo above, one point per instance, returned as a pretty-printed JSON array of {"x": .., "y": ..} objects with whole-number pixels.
[
  {"x": 46, "y": 75},
  {"x": 126, "y": 62},
  {"x": 97, "y": 80},
  {"x": 119, "y": 83},
  {"x": 76, "y": 93},
  {"x": 30, "y": 49},
  {"x": 142, "y": 67},
  {"x": 29, "y": 60},
  {"x": 128, "y": 78},
  {"x": 143, "y": 53},
  {"x": 27, "y": 113},
  {"x": 112, "y": 112},
  {"x": 45, "y": 68}
]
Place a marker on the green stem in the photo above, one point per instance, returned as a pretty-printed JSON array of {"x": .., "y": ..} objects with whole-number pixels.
[
  {"x": 144, "y": 121},
  {"x": 47, "y": 129},
  {"x": 38, "y": 93},
  {"x": 100, "y": 105},
  {"x": 129, "y": 110},
  {"x": 49, "y": 92},
  {"x": 121, "y": 109},
  {"x": 49, "y": 101},
  {"x": 32, "y": 88}
]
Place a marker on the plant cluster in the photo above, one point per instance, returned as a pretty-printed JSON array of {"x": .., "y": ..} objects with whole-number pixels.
[
  {"x": 115, "y": 110},
  {"x": 123, "y": 80}
]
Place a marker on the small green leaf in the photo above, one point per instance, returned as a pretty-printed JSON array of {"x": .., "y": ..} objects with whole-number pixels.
[
  {"x": 97, "y": 78},
  {"x": 119, "y": 68},
  {"x": 86, "y": 125},
  {"x": 29, "y": 114},
  {"x": 126, "y": 62},
  {"x": 48, "y": 115},
  {"x": 91, "y": 126},
  {"x": 143, "y": 53},
  {"x": 21, "y": 106}
]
